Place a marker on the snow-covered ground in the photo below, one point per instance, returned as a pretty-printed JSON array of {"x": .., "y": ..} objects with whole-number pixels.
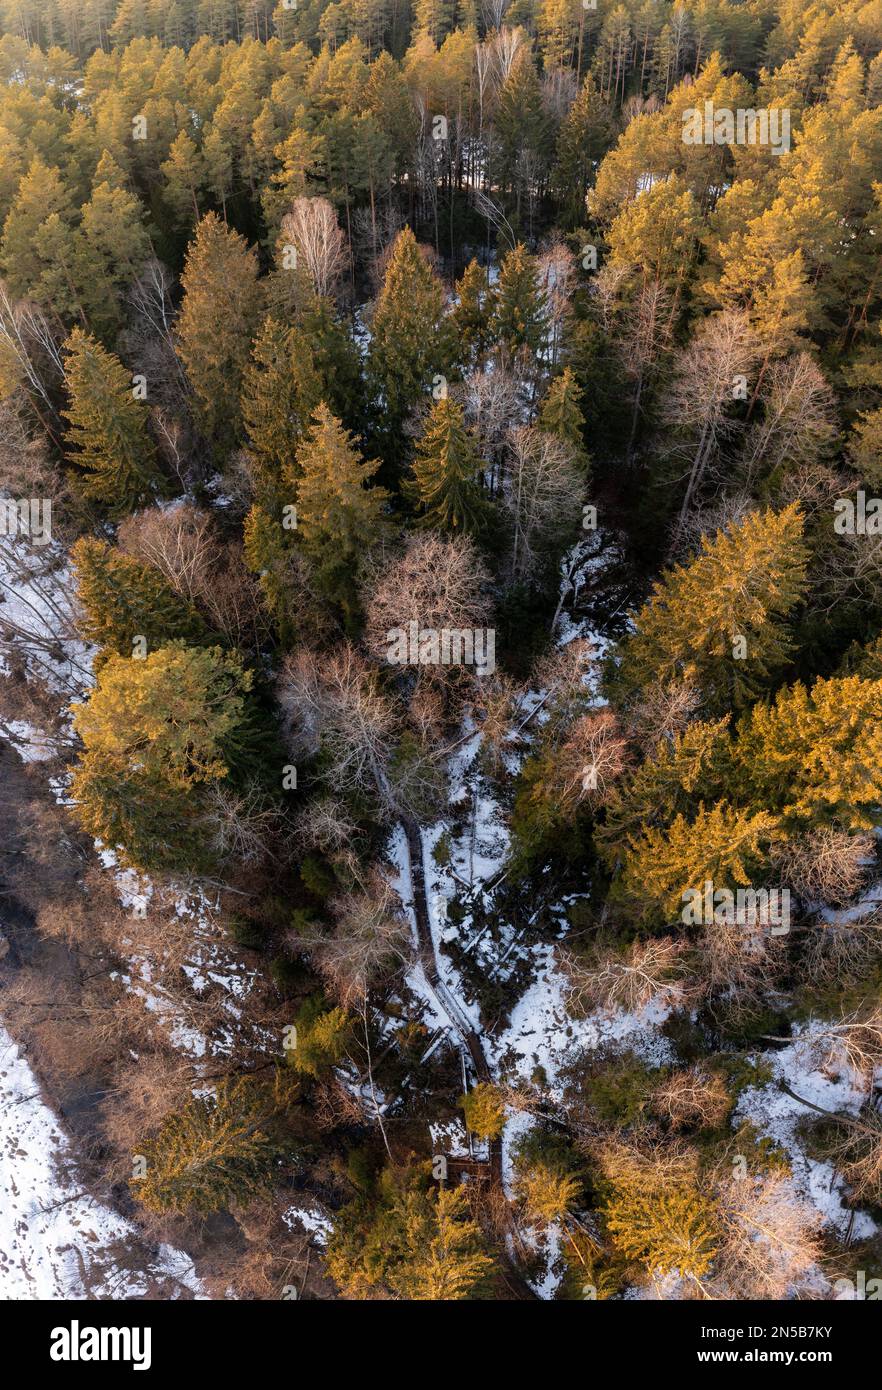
[
  {"x": 777, "y": 1115},
  {"x": 56, "y": 1241}
]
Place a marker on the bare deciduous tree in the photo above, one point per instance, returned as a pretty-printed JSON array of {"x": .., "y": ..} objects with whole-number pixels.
[
  {"x": 311, "y": 227},
  {"x": 437, "y": 583},
  {"x": 334, "y": 702},
  {"x": 542, "y": 496},
  {"x": 614, "y": 978},
  {"x": 798, "y": 421},
  {"x": 370, "y": 934},
  {"x": 698, "y": 404},
  {"x": 693, "y": 1096},
  {"x": 826, "y": 865}
]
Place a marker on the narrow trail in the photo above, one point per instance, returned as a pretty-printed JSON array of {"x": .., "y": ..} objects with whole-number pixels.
[{"x": 514, "y": 1280}]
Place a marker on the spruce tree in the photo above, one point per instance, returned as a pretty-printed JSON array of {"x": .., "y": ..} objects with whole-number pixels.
[
  {"x": 123, "y": 599},
  {"x": 408, "y": 1239},
  {"x": 672, "y": 1229},
  {"x": 221, "y": 1148},
  {"x": 337, "y": 513},
  {"x": 155, "y": 731},
  {"x": 815, "y": 755},
  {"x": 561, "y": 414},
  {"x": 585, "y": 135},
  {"x": 446, "y": 472},
  {"x": 519, "y": 319},
  {"x": 723, "y": 844},
  {"x": 108, "y": 429},
  {"x": 174, "y": 712},
  {"x": 410, "y": 342},
  {"x": 280, "y": 391},
  {"x": 484, "y": 1110},
  {"x": 469, "y": 318},
  {"x": 216, "y": 324},
  {"x": 719, "y": 621}
]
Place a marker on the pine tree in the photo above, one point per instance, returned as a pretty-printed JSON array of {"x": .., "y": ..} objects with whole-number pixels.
[
  {"x": 184, "y": 173},
  {"x": 446, "y": 473},
  {"x": 108, "y": 429},
  {"x": 719, "y": 621},
  {"x": 561, "y": 414},
  {"x": 520, "y": 312},
  {"x": 216, "y": 324},
  {"x": 123, "y": 599},
  {"x": 41, "y": 197},
  {"x": 221, "y": 1148},
  {"x": 280, "y": 391}
]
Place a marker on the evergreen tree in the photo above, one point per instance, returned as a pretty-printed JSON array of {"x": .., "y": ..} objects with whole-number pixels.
[
  {"x": 184, "y": 173},
  {"x": 108, "y": 429},
  {"x": 671, "y": 1229},
  {"x": 42, "y": 201},
  {"x": 323, "y": 1038},
  {"x": 175, "y": 712},
  {"x": 585, "y": 135},
  {"x": 337, "y": 513},
  {"x": 469, "y": 318},
  {"x": 113, "y": 246},
  {"x": 216, "y": 324},
  {"x": 815, "y": 755},
  {"x": 268, "y": 551},
  {"x": 409, "y": 343},
  {"x": 719, "y": 621},
  {"x": 123, "y": 599},
  {"x": 410, "y": 1240},
  {"x": 520, "y": 311},
  {"x": 484, "y": 1110},
  {"x": 561, "y": 414},
  {"x": 221, "y": 1148},
  {"x": 723, "y": 845},
  {"x": 280, "y": 391},
  {"x": 155, "y": 731},
  {"x": 446, "y": 474}
]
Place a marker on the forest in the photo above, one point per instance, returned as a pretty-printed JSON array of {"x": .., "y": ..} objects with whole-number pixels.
[{"x": 441, "y": 637}]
